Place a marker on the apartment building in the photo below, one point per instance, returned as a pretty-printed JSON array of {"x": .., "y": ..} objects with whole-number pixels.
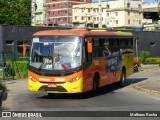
[
  {"x": 115, "y": 13},
  {"x": 38, "y": 13},
  {"x": 59, "y": 12}
]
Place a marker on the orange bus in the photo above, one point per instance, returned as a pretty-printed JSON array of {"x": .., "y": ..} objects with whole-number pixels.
[{"x": 79, "y": 60}]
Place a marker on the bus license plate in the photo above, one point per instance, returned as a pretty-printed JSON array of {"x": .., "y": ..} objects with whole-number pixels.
[{"x": 52, "y": 85}]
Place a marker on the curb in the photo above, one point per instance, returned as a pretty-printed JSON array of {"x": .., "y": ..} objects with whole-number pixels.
[{"x": 151, "y": 92}]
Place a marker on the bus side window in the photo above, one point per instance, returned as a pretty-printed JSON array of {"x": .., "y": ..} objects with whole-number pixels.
[
  {"x": 122, "y": 45},
  {"x": 88, "y": 56}
]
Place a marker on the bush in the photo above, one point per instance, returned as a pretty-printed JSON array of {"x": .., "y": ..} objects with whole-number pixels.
[
  {"x": 21, "y": 69},
  {"x": 144, "y": 55},
  {"x": 152, "y": 60}
]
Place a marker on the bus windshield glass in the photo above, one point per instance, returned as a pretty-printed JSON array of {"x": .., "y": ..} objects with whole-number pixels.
[{"x": 56, "y": 52}]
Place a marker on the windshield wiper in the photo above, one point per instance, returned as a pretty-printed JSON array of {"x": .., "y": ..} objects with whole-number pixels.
[{"x": 40, "y": 67}]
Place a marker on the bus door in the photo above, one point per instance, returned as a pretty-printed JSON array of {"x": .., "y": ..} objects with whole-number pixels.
[{"x": 87, "y": 64}]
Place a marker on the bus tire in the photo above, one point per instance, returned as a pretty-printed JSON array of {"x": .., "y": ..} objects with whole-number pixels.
[
  {"x": 123, "y": 78},
  {"x": 95, "y": 84}
]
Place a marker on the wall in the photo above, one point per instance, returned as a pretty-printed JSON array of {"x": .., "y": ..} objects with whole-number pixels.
[
  {"x": 148, "y": 41},
  {"x": 17, "y": 33}
]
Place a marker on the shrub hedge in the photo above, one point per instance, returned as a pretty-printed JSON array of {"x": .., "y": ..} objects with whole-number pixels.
[
  {"x": 150, "y": 61},
  {"x": 21, "y": 69}
]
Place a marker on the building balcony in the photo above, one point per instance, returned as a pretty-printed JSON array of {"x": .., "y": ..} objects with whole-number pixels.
[
  {"x": 39, "y": 11},
  {"x": 123, "y": 9}
]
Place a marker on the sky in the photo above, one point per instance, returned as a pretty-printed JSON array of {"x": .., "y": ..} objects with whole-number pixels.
[
  {"x": 144, "y": 0},
  {"x": 151, "y": 0}
]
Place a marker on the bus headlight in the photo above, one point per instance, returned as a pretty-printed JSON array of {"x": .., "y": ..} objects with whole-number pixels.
[
  {"x": 32, "y": 78},
  {"x": 74, "y": 79}
]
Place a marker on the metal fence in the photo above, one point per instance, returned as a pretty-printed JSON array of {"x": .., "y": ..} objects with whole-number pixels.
[
  {"x": 7, "y": 65},
  {"x": 11, "y": 68}
]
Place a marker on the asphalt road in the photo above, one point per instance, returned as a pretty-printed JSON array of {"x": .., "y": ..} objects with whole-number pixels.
[{"x": 109, "y": 98}]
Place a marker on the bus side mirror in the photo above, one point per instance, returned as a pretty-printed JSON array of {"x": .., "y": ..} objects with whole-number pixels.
[{"x": 89, "y": 45}]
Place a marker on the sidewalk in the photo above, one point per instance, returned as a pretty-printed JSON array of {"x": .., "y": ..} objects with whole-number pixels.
[{"x": 152, "y": 84}]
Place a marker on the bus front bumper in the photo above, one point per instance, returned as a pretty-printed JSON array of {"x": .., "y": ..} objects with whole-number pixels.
[{"x": 67, "y": 87}]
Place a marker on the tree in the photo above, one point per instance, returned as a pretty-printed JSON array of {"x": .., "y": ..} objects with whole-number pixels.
[{"x": 15, "y": 12}]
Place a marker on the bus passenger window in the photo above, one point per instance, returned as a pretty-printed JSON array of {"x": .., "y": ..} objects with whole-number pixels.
[
  {"x": 88, "y": 56},
  {"x": 122, "y": 45}
]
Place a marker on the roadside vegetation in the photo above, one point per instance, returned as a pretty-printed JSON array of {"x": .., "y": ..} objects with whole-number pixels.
[{"x": 146, "y": 59}]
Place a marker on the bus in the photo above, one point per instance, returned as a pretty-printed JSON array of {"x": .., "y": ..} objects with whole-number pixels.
[{"x": 79, "y": 60}]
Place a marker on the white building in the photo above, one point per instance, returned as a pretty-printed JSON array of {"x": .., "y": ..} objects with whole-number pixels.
[
  {"x": 38, "y": 13},
  {"x": 115, "y": 13}
]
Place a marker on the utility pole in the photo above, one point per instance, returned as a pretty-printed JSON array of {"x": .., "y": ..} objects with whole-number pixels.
[{"x": 100, "y": 15}]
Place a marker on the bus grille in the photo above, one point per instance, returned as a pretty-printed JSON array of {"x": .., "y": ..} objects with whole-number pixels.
[{"x": 57, "y": 89}]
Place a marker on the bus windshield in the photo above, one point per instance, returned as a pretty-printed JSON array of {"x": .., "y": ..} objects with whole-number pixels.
[{"x": 56, "y": 52}]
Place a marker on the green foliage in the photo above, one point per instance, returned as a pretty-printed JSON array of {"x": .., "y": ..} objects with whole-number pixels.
[
  {"x": 21, "y": 69},
  {"x": 15, "y": 12},
  {"x": 3, "y": 87},
  {"x": 152, "y": 60},
  {"x": 144, "y": 55}
]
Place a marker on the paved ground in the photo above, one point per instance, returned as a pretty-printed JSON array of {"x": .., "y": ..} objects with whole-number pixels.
[{"x": 152, "y": 84}]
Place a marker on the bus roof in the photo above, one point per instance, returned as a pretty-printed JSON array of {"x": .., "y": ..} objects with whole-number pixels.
[{"x": 81, "y": 32}]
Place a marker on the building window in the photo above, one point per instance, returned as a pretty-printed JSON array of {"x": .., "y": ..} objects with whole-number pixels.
[
  {"x": 116, "y": 21},
  {"x": 70, "y": 20},
  {"x": 97, "y": 18},
  {"x": 62, "y": 19},
  {"x": 62, "y": 12},
  {"x": 82, "y": 18},
  {"x": 53, "y": 5},
  {"x": 128, "y": 5},
  {"x": 140, "y": 22},
  {"x": 152, "y": 44},
  {"x": 97, "y": 10},
  {"x": 128, "y": 21},
  {"x": 75, "y": 17},
  {"x": 62, "y": 5},
  {"x": 116, "y": 13},
  {"x": 89, "y": 10},
  {"x": 70, "y": 11},
  {"x": 139, "y": 6},
  {"x": 107, "y": 14},
  {"x": 9, "y": 42},
  {"x": 70, "y": 4},
  {"x": 89, "y": 18},
  {"x": 107, "y": 6},
  {"x": 128, "y": 13}
]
